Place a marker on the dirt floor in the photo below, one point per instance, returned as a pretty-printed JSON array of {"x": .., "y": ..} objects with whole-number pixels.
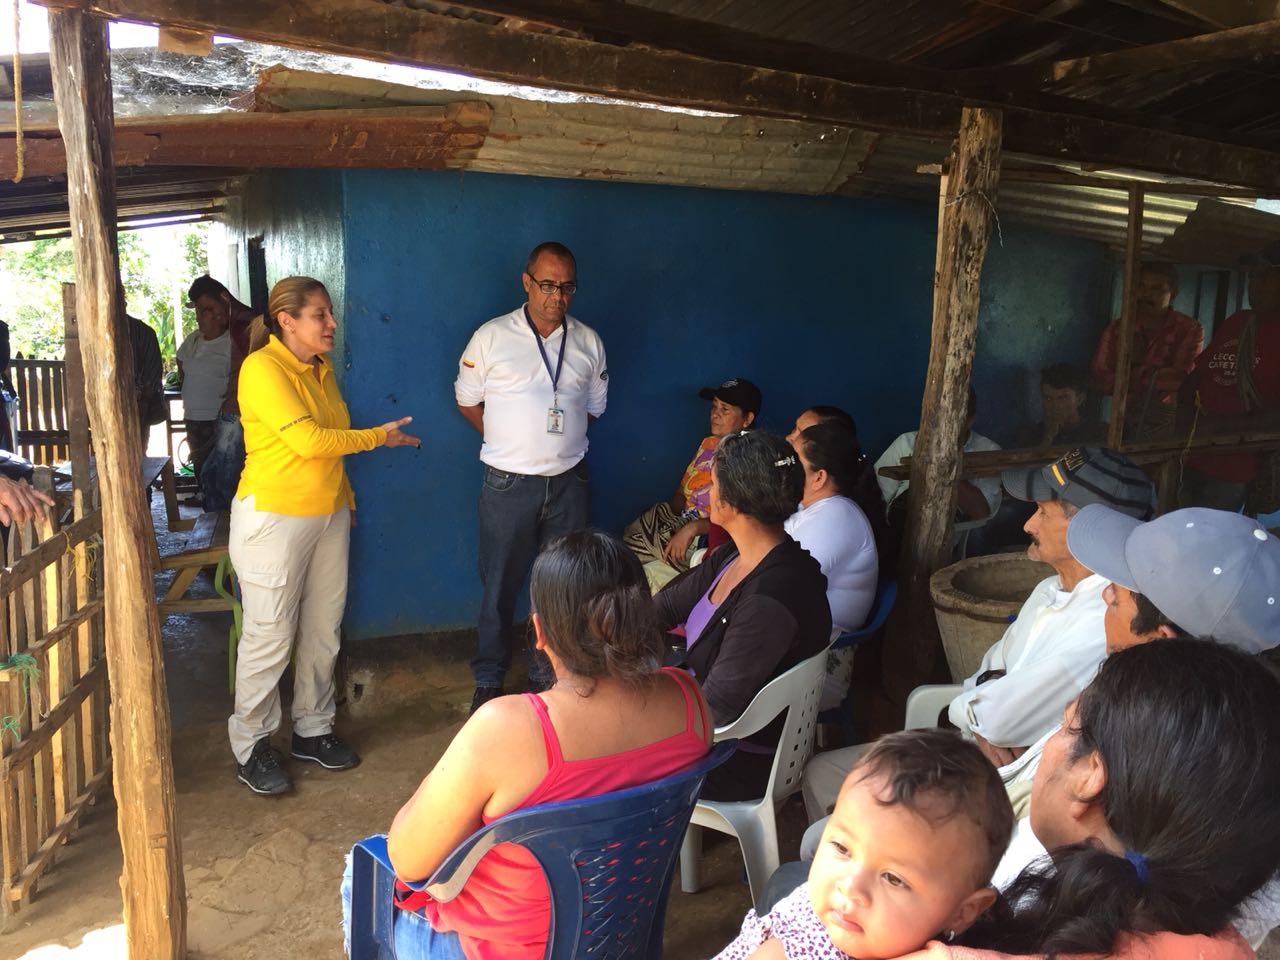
[{"x": 262, "y": 873}]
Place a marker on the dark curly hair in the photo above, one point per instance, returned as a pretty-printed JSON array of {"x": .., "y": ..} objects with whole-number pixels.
[
  {"x": 938, "y": 775},
  {"x": 591, "y": 597}
]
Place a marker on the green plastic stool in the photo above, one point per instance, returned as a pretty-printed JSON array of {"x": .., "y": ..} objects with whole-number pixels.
[{"x": 224, "y": 581}]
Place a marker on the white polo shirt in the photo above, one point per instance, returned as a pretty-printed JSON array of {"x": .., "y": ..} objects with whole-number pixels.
[
  {"x": 502, "y": 368},
  {"x": 1050, "y": 653}
]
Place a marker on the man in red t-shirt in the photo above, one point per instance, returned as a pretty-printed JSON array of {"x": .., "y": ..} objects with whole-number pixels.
[
  {"x": 1236, "y": 386},
  {"x": 1165, "y": 346}
]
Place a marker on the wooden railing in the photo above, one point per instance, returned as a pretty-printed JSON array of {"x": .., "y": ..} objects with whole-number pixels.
[
  {"x": 54, "y": 757},
  {"x": 43, "y": 436},
  {"x": 1160, "y": 458}
]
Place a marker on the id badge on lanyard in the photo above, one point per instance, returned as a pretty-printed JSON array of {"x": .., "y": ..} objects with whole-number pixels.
[{"x": 555, "y": 413}]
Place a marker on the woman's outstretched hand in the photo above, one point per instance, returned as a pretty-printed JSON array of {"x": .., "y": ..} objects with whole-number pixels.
[{"x": 396, "y": 437}]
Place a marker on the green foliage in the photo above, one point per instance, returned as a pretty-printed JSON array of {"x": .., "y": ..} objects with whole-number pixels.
[{"x": 32, "y": 274}]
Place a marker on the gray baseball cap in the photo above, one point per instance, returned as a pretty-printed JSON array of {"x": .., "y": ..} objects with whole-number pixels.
[
  {"x": 1083, "y": 476},
  {"x": 1213, "y": 573}
]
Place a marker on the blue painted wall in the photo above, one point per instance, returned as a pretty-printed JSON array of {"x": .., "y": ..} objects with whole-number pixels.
[{"x": 816, "y": 299}]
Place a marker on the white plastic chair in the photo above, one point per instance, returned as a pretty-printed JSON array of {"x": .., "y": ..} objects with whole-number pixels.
[
  {"x": 924, "y": 703},
  {"x": 827, "y": 771},
  {"x": 754, "y": 822}
]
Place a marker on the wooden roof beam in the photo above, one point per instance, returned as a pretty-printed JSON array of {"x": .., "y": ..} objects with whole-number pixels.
[
  {"x": 1240, "y": 43},
  {"x": 421, "y": 138},
  {"x": 380, "y": 31},
  {"x": 1227, "y": 13},
  {"x": 614, "y": 22}
]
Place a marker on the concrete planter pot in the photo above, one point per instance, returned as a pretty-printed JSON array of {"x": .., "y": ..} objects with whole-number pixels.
[{"x": 975, "y": 600}]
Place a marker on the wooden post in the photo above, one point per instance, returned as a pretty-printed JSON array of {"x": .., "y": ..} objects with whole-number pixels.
[
  {"x": 82, "y": 501},
  {"x": 77, "y": 413},
  {"x": 1124, "y": 340},
  {"x": 152, "y": 882},
  {"x": 965, "y": 228}
]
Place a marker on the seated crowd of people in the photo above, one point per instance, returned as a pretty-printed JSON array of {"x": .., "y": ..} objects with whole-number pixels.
[
  {"x": 1091, "y": 798},
  {"x": 1104, "y": 784},
  {"x": 1107, "y": 789}
]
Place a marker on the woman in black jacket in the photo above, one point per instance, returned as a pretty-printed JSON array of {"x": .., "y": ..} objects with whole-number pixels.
[{"x": 755, "y": 607}]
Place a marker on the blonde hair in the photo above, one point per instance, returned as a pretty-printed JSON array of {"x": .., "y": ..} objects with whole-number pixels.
[{"x": 289, "y": 295}]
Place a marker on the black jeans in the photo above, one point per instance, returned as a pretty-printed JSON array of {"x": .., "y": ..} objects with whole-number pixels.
[{"x": 518, "y": 514}]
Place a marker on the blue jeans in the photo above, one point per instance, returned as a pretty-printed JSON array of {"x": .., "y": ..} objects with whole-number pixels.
[
  {"x": 518, "y": 515},
  {"x": 414, "y": 938},
  {"x": 220, "y": 475}
]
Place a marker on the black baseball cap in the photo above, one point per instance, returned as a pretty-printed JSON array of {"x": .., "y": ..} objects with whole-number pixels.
[
  {"x": 1087, "y": 475},
  {"x": 740, "y": 392}
]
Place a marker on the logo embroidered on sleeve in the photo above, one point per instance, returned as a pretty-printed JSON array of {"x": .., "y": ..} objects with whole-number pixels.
[
  {"x": 469, "y": 364},
  {"x": 604, "y": 374},
  {"x": 294, "y": 423}
]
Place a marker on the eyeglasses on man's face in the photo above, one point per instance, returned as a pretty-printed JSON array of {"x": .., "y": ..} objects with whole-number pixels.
[{"x": 548, "y": 287}]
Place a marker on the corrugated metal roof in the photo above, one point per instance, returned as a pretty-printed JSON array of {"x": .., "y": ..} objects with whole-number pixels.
[
  {"x": 605, "y": 141},
  {"x": 1236, "y": 97},
  {"x": 1097, "y": 213},
  {"x": 1220, "y": 234},
  {"x": 38, "y": 208},
  {"x": 563, "y": 135}
]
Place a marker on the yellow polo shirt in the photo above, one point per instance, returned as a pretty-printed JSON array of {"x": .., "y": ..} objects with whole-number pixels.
[{"x": 296, "y": 432}]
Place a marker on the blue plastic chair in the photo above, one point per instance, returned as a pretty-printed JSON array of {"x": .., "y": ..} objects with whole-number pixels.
[
  {"x": 886, "y": 595},
  {"x": 608, "y": 860}
]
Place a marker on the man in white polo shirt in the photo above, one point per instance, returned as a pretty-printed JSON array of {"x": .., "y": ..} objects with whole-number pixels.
[
  {"x": 530, "y": 381},
  {"x": 1053, "y": 647}
]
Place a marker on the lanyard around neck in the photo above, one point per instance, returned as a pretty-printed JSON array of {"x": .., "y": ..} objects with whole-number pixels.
[{"x": 564, "y": 338}]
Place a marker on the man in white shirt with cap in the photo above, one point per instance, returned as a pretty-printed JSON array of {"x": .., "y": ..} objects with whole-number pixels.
[
  {"x": 1052, "y": 649},
  {"x": 1202, "y": 573},
  {"x": 1050, "y": 652}
]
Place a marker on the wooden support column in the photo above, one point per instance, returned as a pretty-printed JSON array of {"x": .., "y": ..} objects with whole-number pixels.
[
  {"x": 968, "y": 209},
  {"x": 1124, "y": 338},
  {"x": 77, "y": 412},
  {"x": 152, "y": 882}
]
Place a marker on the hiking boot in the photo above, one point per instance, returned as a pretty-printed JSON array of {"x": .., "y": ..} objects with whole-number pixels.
[
  {"x": 482, "y": 696},
  {"x": 326, "y": 750},
  {"x": 262, "y": 772}
]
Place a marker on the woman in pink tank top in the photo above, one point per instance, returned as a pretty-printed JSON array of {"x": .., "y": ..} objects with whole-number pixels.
[{"x": 613, "y": 719}]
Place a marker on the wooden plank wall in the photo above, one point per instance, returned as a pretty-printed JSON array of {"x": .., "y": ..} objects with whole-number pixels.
[
  {"x": 43, "y": 435},
  {"x": 54, "y": 755}
]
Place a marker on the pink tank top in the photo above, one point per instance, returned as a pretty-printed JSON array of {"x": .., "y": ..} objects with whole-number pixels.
[{"x": 504, "y": 911}]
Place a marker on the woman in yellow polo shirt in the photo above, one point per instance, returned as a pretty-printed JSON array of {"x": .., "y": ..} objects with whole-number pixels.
[{"x": 290, "y": 528}]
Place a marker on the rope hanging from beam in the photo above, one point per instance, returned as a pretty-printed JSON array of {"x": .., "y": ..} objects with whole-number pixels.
[{"x": 19, "y": 143}]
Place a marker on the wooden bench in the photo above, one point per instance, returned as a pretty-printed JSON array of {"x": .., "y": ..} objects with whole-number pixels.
[{"x": 206, "y": 546}]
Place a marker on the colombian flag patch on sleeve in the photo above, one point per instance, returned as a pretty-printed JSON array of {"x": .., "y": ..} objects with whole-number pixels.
[{"x": 469, "y": 364}]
